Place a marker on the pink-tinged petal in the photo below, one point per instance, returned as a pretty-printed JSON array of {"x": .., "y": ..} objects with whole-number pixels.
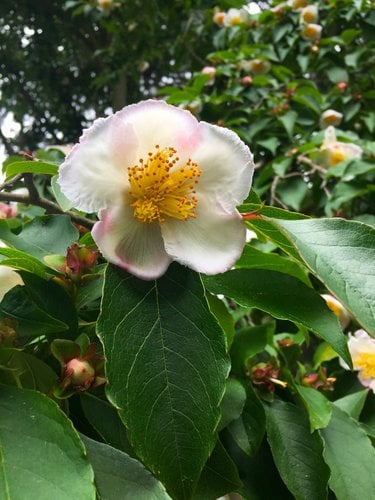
[
  {"x": 211, "y": 243},
  {"x": 227, "y": 166},
  {"x": 138, "y": 248},
  {"x": 158, "y": 123},
  {"x": 94, "y": 174}
]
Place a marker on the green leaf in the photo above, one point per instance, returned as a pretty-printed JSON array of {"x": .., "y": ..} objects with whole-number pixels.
[
  {"x": 288, "y": 120},
  {"x": 248, "y": 430},
  {"x": 318, "y": 407},
  {"x": 337, "y": 74},
  {"x": 119, "y": 476},
  {"x": 105, "y": 419},
  {"x": 248, "y": 342},
  {"x": 61, "y": 199},
  {"x": 342, "y": 254},
  {"x": 25, "y": 370},
  {"x": 219, "y": 476},
  {"x": 271, "y": 144},
  {"x": 53, "y": 299},
  {"x": 273, "y": 233},
  {"x": 284, "y": 297},
  {"x": 350, "y": 456},
  {"x": 31, "y": 320},
  {"x": 223, "y": 316},
  {"x": 297, "y": 452},
  {"x": 42, "y": 455},
  {"x": 255, "y": 259},
  {"x": 33, "y": 167},
  {"x": 166, "y": 368},
  {"x": 23, "y": 261},
  {"x": 232, "y": 403},
  {"x": 46, "y": 235},
  {"x": 353, "y": 403}
]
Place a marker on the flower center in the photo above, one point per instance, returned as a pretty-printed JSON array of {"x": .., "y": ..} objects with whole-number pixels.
[
  {"x": 337, "y": 156},
  {"x": 162, "y": 189},
  {"x": 366, "y": 364}
]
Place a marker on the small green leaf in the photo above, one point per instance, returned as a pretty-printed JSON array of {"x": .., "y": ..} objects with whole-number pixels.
[
  {"x": 105, "y": 419},
  {"x": 219, "y": 476},
  {"x": 297, "y": 452},
  {"x": 33, "y": 167},
  {"x": 342, "y": 254},
  {"x": 288, "y": 120},
  {"x": 318, "y": 407},
  {"x": 248, "y": 430},
  {"x": 350, "y": 456},
  {"x": 223, "y": 316},
  {"x": 353, "y": 403},
  {"x": 232, "y": 403},
  {"x": 119, "y": 476},
  {"x": 23, "y": 262},
  {"x": 284, "y": 297},
  {"x": 61, "y": 199},
  {"x": 42, "y": 455}
]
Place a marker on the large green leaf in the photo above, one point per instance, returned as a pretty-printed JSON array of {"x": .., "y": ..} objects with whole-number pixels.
[
  {"x": 342, "y": 254},
  {"x": 46, "y": 235},
  {"x": 34, "y": 167},
  {"x": 118, "y": 476},
  {"x": 350, "y": 456},
  {"x": 297, "y": 452},
  {"x": 166, "y": 368},
  {"x": 41, "y": 455},
  {"x": 284, "y": 297}
]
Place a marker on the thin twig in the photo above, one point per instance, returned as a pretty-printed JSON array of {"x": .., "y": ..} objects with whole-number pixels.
[
  {"x": 48, "y": 205},
  {"x": 313, "y": 166},
  {"x": 11, "y": 181}
]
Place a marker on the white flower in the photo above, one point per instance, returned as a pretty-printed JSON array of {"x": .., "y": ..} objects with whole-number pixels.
[
  {"x": 257, "y": 66},
  {"x": 8, "y": 279},
  {"x": 330, "y": 117},
  {"x": 310, "y": 14},
  {"x": 312, "y": 31},
  {"x": 234, "y": 17},
  {"x": 166, "y": 186},
  {"x": 338, "y": 309},
  {"x": 334, "y": 151},
  {"x": 362, "y": 350}
]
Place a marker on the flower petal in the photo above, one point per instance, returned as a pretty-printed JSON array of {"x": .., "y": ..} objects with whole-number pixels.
[
  {"x": 227, "y": 166},
  {"x": 156, "y": 122},
  {"x": 94, "y": 173},
  {"x": 138, "y": 248},
  {"x": 210, "y": 243}
]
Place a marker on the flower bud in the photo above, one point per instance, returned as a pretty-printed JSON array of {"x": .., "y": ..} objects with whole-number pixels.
[
  {"x": 80, "y": 373},
  {"x": 210, "y": 71},
  {"x": 79, "y": 261},
  {"x": 246, "y": 81},
  {"x": 342, "y": 86},
  {"x": 7, "y": 211}
]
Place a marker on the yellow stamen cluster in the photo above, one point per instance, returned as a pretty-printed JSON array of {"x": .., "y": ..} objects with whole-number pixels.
[
  {"x": 366, "y": 364},
  {"x": 163, "y": 189}
]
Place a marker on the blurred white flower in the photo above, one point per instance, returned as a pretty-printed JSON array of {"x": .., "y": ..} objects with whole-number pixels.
[
  {"x": 234, "y": 17},
  {"x": 8, "y": 277},
  {"x": 334, "y": 151},
  {"x": 330, "y": 117},
  {"x": 219, "y": 17},
  {"x": 310, "y": 14},
  {"x": 362, "y": 350},
  {"x": 256, "y": 66},
  {"x": 298, "y": 4},
  {"x": 312, "y": 31},
  {"x": 338, "y": 309}
]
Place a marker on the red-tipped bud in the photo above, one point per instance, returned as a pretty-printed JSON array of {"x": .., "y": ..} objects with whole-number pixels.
[
  {"x": 246, "y": 81},
  {"x": 80, "y": 261},
  {"x": 80, "y": 373}
]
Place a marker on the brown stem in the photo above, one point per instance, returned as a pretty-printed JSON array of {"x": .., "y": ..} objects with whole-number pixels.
[{"x": 48, "y": 205}]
